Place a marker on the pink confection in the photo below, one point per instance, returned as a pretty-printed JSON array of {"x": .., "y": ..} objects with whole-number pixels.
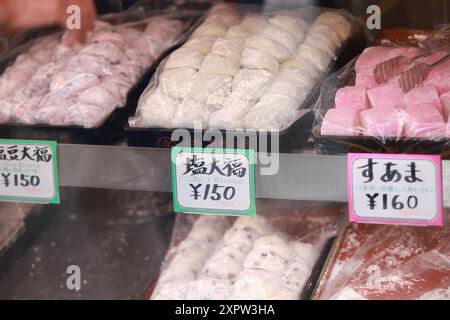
[
  {"x": 351, "y": 97},
  {"x": 365, "y": 79},
  {"x": 424, "y": 121},
  {"x": 440, "y": 77},
  {"x": 340, "y": 122},
  {"x": 374, "y": 55},
  {"x": 386, "y": 96},
  {"x": 445, "y": 101},
  {"x": 384, "y": 124},
  {"x": 423, "y": 95},
  {"x": 447, "y": 130}
]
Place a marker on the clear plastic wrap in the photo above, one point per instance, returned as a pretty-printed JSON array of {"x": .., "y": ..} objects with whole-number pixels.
[
  {"x": 270, "y": 256},
  {"x": 388, "y": 262},
  {"x": 244, "y": 70},
  {"x": 12, "y": 216},
  {"x": 355, "y": 113},
  {"x": 45, "y": 82}
]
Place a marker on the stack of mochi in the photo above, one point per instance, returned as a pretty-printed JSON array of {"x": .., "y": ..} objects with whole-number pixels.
[
  {"x": 384, "y": 110},
  {"x": 243, "y": 71}
]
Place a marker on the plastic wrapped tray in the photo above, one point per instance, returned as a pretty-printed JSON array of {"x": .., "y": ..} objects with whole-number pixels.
[{"x": 337, "y": 145}]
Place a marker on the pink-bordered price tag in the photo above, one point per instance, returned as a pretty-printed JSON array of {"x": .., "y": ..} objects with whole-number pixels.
[{"x": 395, "y": 189}]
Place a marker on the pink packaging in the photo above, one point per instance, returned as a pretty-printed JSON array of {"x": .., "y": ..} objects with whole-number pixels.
[
  {"x": 351, "y": 97},
  {"x": 386, "y": 96},
  {"x": 341, "y": 121},
  {"x": 423, "y": 95},
  {"x": 387, "y": 123}
]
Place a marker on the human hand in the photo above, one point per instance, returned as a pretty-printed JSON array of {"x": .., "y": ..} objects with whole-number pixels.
[{"x": 19, "y": 15}]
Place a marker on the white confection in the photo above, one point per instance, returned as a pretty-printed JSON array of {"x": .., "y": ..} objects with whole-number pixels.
[
  {"x": 227, "y": 19},
  {"x": 260, "y": 285},
  {"x": 254, "y": 23},
  {"x": 231, "y": 115},
  {"x": 249, "y": 84},
  {"x": 278, "y": 50},
  {"x": 207, "y": 288},
  {"x": 222, "y": 8},
  {"x": 213, "y": 223},
  {"x": 274, "y": 245},
  {"x": 157, "y": 110},
  {"x": 185, "y": 57},
  {"x": 329, "y": 32},
  {"x": 309, "y": 68},
  {"x": 215, "y": 64},
  {"x": 322, "y": 42},
  {"x": 277, "y": 34},
  {"x": 259, "y": 224},
  {"x": 257, "y": 59},
  {"x": 192, "y": 113},
  {"x": 297, "y": 273},
  {"x": 260, "y": 258},
  {"x": 242, "y": 238},
  {"x": 209, "y": 29},
  {"x": 336, "y": 21},
  {"x": 272, "y": 112},
  {"x": 295, "y": 26},
  {"x": 225, "y": 263},
  {"x": 321, "y": 59},
  {"x": 238, "y": 34},
  {"x": 292, "y": 89},
  {"x": 227, "y": 48},
  {"x": 210, "y": 89},
  {"x": 202, "y": 44},
  {"x": 175, "y": 83}
]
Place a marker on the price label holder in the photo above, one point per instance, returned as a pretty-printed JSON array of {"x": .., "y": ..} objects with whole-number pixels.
[
  {"x": 395, "y": 189},
  {"x": 213, "y": 181},
  {"x": 28, "y": 171}
]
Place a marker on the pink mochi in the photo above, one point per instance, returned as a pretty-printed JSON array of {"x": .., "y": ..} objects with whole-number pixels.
[
  {"x": 386, "y": 123},
  {"x": 423, "y": 95},
  {"x": 340, "y": 122},
  {"x": 386, "y": 96},
  {"x": 447, "y": 130},
  {"x": 445, "y": 101},
  {"x": 424, "y": 121},
  {"x": 351, "y": 97},
  {"x": 440, "y": 77}
]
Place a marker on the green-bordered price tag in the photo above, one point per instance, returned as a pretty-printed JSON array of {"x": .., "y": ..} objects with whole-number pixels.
[
  {"x": 213, "y": 181},
  {"x": 28, "y": 171}
]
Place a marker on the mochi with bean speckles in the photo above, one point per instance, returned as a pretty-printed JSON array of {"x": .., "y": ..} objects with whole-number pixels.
[
  {"x": 424, "y": 121},
  {"x": 340, "y": 122},
  {"x": 423, "y": 95},
  {"x": 351, "y": 97},
  {"x": 384, "y": 124},
  {"x": 386, "y": 96}
]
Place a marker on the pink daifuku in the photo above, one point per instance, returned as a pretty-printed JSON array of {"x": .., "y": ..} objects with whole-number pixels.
[
  {"x": 340, "y": 122},
  {"x": 386, "y": 96},
  {"x": 445, "y": 101},
  {"x": 424, "y": 121},
  {"x": 382, "y": 123},
  {"x": 423, "y": 95},
  {"x": 351, "y": 97},
  {"x": 448, "y": 130}
]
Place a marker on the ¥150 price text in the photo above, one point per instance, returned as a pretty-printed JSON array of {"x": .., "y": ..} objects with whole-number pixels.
[
  {"x": 214, "y": 192},
  {"x": 20, "y": 180}
]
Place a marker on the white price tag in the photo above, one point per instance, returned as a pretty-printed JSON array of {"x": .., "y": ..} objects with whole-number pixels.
[
  {"x": 28, "y": 171},
  {"x": 213, "y": 181},
  {"x": 395, "y": 189}
]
